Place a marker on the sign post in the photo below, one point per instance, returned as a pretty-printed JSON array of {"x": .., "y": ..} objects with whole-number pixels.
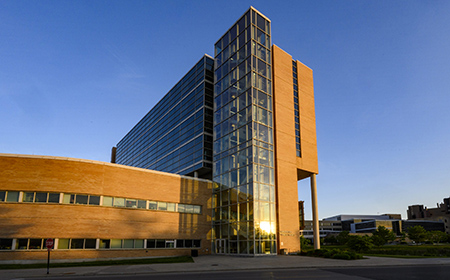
[{"x": 49, "y": 245}]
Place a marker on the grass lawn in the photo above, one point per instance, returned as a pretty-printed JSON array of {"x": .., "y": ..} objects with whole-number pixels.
[{"x": 100, "y": 263}]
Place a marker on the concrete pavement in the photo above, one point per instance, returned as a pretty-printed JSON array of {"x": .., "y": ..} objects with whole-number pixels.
[{"x": 218, "y": 263}]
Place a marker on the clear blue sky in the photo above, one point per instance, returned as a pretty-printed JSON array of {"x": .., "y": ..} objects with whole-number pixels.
[{"x": 75, "y": 76}]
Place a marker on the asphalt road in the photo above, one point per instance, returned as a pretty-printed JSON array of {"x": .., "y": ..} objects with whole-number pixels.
[{"x": 352, "y": 273}]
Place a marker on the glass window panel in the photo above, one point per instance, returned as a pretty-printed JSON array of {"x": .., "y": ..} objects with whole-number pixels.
[
  {"x": 53, "y": 198},
  {"x": 180, "y": 243},
  {"x": 116, "y": 243},
  {"x": 162, "y": 206},
  {"x": 128, "y": 243},
  {"x": 264, "y": 193},
  {"x": 81, "y": 199},
  {"x": 131, "y": 203},
  {"x": 142, "y": 204},
  {"x": 76, "y": 243},
  {"x": 40, "y": 197},
  {"x": 2, "y": 195},
  {"x": 105, "y": 244},
  {"x": 171, "y": 207},
  {"x": 138, "y": 243},
  {"x": 107, "y": 201},
  {"x": 263, "y": 133},
  {"x": 35, "y": 244},
  {"x": 181, "y": 208},
  {"x": 151, "y": 243},
  {"x": 12, "y": 196},
  {"x": 261, "y": 22},
  {"x": 28, "y": 197},
  {"x": 119, "y": 202},
  {"x": 63, "y": 243},
  {"x": 225, "y": 40},
  {"x": 197, "y": 209},
  {"x": 22, "y": 244},
  {"x": 189, "y": 208},
  {"x": 66, "y": 198},
  {"x": 188, "y": 243},
  {"x": 90, "y": 243},
  {"x": 170, "y": 244},
  {"x": 94, "y": 200},
  {"x": 160, "y": 243}
]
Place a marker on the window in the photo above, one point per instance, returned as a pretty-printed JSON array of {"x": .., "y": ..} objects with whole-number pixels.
[
  {"x": 170, "y": 244},
  {"x": 94, "y": 200},
  {"x": 131, "y": 203},
  {"x": 90, "y": 243},
  {"x": 76, "y": 244},
  {"x": 12, "y": 196},
  {"x": 2, "y": 195},
  {"x": 105, "y": 244},
  {"x": 160, "y": 243},
  {"x": 35, "y": 244},
  {"x": 28, "y": 197},
  {"x": 153, "y": 205},
  {"x": 142, "y": 204},
  {"x": 128, "y": 243},
  {"x": 107, "y": 201},
  {"x": 81, "y": 199},
  {"x": 6, "y": 244},
  {"x": 68, "y": 198},
  {"x": 22, "y": 244},
  {"x": 119, "y": 202},
  {"x": 63, "y": 243},
  {"x": 53, "y": 198},
  {"x": 116, "y": 243},
  {"x": 40, "y": 197},
  {"x": 151, "y": 243}
]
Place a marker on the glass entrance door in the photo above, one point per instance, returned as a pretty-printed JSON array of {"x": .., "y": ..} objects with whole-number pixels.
[{"x": 221, "y": 246}]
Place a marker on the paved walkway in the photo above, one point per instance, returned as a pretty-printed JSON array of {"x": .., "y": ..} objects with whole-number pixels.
[{"x": 218, "y": 263}]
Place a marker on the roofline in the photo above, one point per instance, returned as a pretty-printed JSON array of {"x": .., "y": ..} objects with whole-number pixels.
[{"x": 103, "y": 163}]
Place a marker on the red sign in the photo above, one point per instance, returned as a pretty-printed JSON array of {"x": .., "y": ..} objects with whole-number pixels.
[{"x": 49, "y": 243}]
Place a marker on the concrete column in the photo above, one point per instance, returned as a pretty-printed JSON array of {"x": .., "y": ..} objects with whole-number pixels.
[{"x": 315, "y": 212}]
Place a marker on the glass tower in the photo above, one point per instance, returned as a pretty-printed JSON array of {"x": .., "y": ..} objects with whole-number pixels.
[
  {"x": 244, "y": 218},
  {"x": 176, "y": 135}
]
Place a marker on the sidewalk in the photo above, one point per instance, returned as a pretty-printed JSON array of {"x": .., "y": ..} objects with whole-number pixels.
[{"x": 218, "y": 263}]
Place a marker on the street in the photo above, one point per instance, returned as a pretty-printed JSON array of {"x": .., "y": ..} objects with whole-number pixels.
[{"x": 354, "y": 273}]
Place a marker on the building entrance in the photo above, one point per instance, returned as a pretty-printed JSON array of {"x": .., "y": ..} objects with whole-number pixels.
[{"x": 221, "y": 246}]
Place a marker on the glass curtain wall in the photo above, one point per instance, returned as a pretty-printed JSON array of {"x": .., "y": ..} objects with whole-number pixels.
[{"x": 243, "y": 164}]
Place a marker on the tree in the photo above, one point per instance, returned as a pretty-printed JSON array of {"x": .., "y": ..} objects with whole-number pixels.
[
  {"x": 417, "y": 233},
  {"x": 382, "y": 236},
  {"x": 304, "y": 242},
  {"x": 359, "y": 243},
  {"x": 437, "y": 236},
  {"x": 331, "y": 239},
  {"x": 342, "y": 237}
]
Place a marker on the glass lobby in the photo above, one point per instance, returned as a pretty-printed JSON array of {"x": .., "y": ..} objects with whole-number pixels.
[{"x": 244, "y": 218}]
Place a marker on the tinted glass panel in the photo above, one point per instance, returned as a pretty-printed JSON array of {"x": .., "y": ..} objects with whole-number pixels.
[
  {"x": 94, "y": 200},
  {"x": 89, "y": 244},
  {"x": 63, "y": 243},
  {"x": 40, "y": 197},
  {"x": 53, "y": 197},
  {"x": 35, "y": 244},
  {"x": 28, "y": 197},
  {"x": 12, "y": 196},
  {"x": 5, "y": 244}
]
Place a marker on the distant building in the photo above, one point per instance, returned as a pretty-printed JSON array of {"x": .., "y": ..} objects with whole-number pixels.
[
  {"x": 368, "y": 224},
  {"x": 440, "y": 213}
]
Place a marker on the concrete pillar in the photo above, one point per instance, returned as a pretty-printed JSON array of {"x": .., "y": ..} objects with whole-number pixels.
[{"x": 315, "y": 212}]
